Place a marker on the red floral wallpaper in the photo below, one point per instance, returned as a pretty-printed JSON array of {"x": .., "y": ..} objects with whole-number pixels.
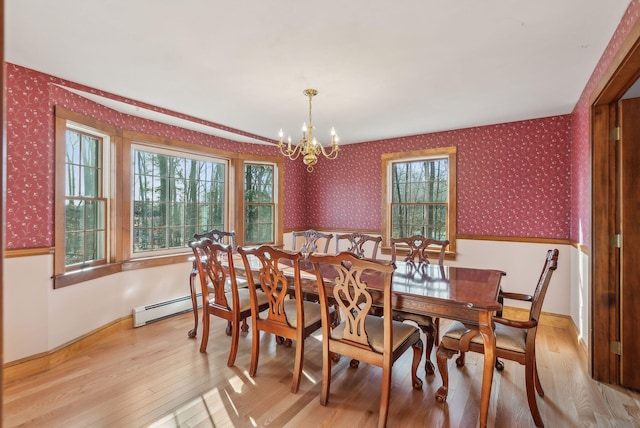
[
  {"x": 513, "y": 179},
  {"x": 580, "y": 161},
  {"x": 31, "y": 96},
  {"x": 522, "y": 179}
]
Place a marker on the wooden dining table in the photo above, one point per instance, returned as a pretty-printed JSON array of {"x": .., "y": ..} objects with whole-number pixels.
[{"x": 469, "y": 295}]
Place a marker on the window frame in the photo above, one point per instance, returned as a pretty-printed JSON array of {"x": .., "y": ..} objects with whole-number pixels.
[
  {"x": 388, "y": 160},
  {"x": 118, "y": 179},
  {"x": 189, "y": 154},
  {"x": 278, "y": 197},
  {"x": 272, "y": 204},
  {"x": 66, "y": 119}
]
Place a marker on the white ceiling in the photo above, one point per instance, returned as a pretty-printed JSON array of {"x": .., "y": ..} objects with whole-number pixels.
[{"x": 382, "y": 68}]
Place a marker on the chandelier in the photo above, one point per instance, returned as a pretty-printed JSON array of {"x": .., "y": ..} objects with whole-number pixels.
[{"x": 308, "y": 147}]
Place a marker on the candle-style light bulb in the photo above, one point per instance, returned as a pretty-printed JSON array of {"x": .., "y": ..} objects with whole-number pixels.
[
  {"x": 280, "y": 134},
  {"x": 289, "y": 146}
]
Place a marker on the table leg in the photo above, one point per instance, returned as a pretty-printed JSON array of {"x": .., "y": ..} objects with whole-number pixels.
[{"x": 489, "y": 337}]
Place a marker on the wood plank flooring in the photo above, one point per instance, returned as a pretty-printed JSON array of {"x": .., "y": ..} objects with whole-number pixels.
[{"x": 155, "y": 376}]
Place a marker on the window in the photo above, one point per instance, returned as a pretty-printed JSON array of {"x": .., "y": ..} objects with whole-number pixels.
[
  {"x": 419, "y": 194},
  {"x": 175, "y": 197},
  {"x": 83, "y": 201},
  {"x": 419, "y": 197},
  {"x": 259, "y": 203},
  {"x": 126, "y": 200},
  {"x": 85, "y": 206}
]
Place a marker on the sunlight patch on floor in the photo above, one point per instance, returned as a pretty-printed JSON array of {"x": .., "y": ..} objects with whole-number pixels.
[{"x": 215, "y": 407}]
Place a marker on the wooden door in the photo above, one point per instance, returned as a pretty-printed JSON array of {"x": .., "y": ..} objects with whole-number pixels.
[{"x": 629, "y": 211}]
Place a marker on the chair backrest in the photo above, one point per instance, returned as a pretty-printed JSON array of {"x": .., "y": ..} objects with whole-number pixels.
[
  {"x": 550, "y": 265},
  {"x": 210, "y": 260},
  {"x": 418, "y": 246},
  {"x": 219, "y": 236},
  {"x": 268, "y": 264},
  {"x": 357, "y": 241},
  {"x": 355, "y": 278},
  {"x": 310, "y": 243}
]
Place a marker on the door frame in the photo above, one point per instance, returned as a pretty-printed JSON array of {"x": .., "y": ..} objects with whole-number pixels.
[{"x": 621, "y": 73}]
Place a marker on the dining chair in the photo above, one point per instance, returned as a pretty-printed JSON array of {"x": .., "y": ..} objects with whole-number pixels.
[
  {"x": 515, "y": 340},
  {"x": 356, "y": 284},
  {"x": 221, "y": 296},
  {"x": 356, "y": 243},
  {"x": 222, "y": 237},
  {"x": 418, "y": 247},
  {"x": 310, "y": 243},
  {"x": 272, "y": 270}
]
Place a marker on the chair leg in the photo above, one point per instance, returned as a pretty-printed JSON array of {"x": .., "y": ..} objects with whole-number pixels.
[
  {"x": 417, "y": 356},
  {"x": 205, "y": 330},
  {"x": 228, "y": 329},
  {"x": 530, "y": 375},
  {"x": 327, "y": 356},
  {"x": 537, "y": 379},
  {"x": 459, "y": 360},
  {"x": 297, "y": 366},
  {"x": 255, "y": 349},
  {"x": 245, "y": 326},
  {"x": 235, "y": 337},
  {"x": 442, "y": 355},
  {"x": 384, "y": 396}
]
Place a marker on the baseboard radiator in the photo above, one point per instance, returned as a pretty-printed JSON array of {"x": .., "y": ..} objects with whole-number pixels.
[{"x": 144, "y": 315}]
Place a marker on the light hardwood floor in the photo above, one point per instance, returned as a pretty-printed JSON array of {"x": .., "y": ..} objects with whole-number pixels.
[{"x": 156, "y": 376}]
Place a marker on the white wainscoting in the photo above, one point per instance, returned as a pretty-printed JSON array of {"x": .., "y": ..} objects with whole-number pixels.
[{"x": 38, "y": 318}]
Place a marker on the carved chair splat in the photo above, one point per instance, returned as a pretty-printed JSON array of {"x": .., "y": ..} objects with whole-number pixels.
[
  {"x": 310, "y": 243},
  {"x": 357, "y": 242}
]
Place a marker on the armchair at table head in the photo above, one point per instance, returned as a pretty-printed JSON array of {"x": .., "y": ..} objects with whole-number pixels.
[
  {"x": 221, "y": 296},
  {"x": 515, "y": 340},
  {"x": 311, "y": 242},
  {"x": 378, "y": 341},
  {"x": 357, "y": 242}
]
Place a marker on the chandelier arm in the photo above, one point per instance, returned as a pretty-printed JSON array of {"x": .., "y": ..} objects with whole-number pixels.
[
  {"x": 332, "y": 154},
  {"x": 294, "y": 153}
]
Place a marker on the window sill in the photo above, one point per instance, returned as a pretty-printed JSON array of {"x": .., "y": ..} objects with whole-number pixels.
[
  {"x": 83, "y": 275},
  {"x": 79, "y": 276}
]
